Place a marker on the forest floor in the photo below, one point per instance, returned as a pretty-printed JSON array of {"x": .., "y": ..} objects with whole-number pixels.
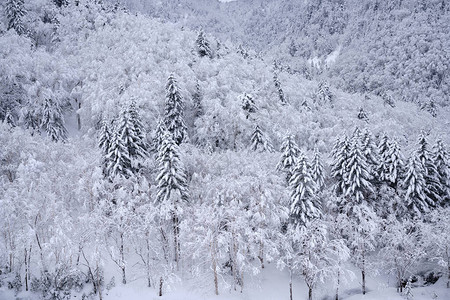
[{"x": 270, "y": 284}]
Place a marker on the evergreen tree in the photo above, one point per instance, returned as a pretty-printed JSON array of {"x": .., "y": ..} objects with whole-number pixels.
[
  {"x": 172, "y": 186},
  {"x": 248, "y": 104},
  {"x": 203, "y": 47},
  {"x": 138, "y": 149},
  {"x": 171, "y": 177},
  {"x": 15, "y": 11},
  {"x": 383, "y": 151},
  {"x": 52, "y": 121},
  {"x": 362, "y": 115},
  {"x": 61, "y": 3},
  {"x": 414, "y": 184},
  {"x": 323, "y": 93},
  {"x": 104, "y": 143},
  {"x": 304, "y": 204},
  {"x": 317, "y": 171},
  {"x": 408, "y": 290},
  {"x": 9, "y": 118},
  {"x": 197, "y": 99},
  {"x": 290, "y": 152},
  {"x": 260, "y": 142},
  {"x": 440, "y": 159},
  {"x": 432, "y": 184},
  {"x": 174, "y": 111},
  {"x": 279, "y": 89},
  {"x": 370, "y": 151},
  {"x": 339, "y": 167},
  {"x": 118, "y": 161},
  {"x": 357, "y": 181},
  {"x": 130, "y": 132},
  {"x": 395, "y": 164},
  {"x": 29, "y": 118},
  {"x": 158, "y": 135},
  {"x": 387, "y": 99}
]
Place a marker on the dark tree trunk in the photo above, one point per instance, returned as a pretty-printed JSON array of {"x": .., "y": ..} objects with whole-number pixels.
[
  {"x": 26, "y": 269},
  {"x": 176, "y": 234},
  {"x": 78, "y": 117},
  {"x": 214, "y": 266},
  {"x": 363, "y": 275},
  {"x": 290, "y": 283},
  {"x": 310, "y": 293},
  {"x": 161, "y": 286},
  {"x": 122, "y": 258},
  {"x": 338, "y": 283}
]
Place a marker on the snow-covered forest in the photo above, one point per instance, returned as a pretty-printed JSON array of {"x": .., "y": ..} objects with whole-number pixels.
[{"x": 206, "y": 149}]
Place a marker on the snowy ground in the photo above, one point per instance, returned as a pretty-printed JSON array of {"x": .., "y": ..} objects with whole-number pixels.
[{"x": 270, "y": 284}]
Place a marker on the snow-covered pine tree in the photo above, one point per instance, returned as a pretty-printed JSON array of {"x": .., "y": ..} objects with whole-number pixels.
[
  {"x": 104, "y": 140},
  {"x": 279, "y": 89},
  {"x": 383, "y": 150},
  {"x": 440, "y": 159},
  {"x": 9, "y": 118},
  {"x": 139, "y": 147},
  {"x": 362, "y": 115},
  {"x": 248, "y": 104},
  {"x": 52, "y": 121},
  {"x": 432, "y": 184},
  {"x": 172, "y": 187},
  {"x": 290, "y": 152},
  {"x": 414, "y": 184},
  {"x": 304, "y": 203},
  {"x": 317, "y": 171},
  {"x": 130, "y": 132},
  {"x": 358, "y": 177},
  {"x": 29, "y": 119},
  {"x": 203, "y": 47},
  {"x": 323, "y": 93},
  {"x": 104, "y": 143},
  {"x": 197, "y": 100},
  {"x": 370, "y": 151},
  {"x": 408, "y": 290},
  {"x": 260, "y": 142},
  {"x": 394, "y": 162},
  {"x": 174, "y": 110},
  {"x": 171, "y": 176},
  {"x": 118, "y": 161},
  {"x": 15, "y": 11},
  {"x": 158, "y": 135},
  {"x": 61, "y": 3},
  {"x": 387, "y": 99},
  {"x": 339, "y": 166}
]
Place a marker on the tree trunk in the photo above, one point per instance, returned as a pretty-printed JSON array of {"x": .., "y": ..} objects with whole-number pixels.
[
  {"x": 214, "y": 266},
  {"x": 122, "y": 258},
  {"x": 290, "y": 282},
  {"x": 149, "y": 280},
  {"x": 161, "y": 286},
  {"x": 448, "y": 277},
  {"x": 176, "y": 233},
  {"x": 337, "y": 285},
  {"x": 261, "y": 254},
  {"x": 310, "y": 293},
  {"x": 78, "y": 117},
  {"x": 363, "y": 273},
  {"x": 448, "y": 266},
  {"x": 400, "y": 276},
  {"x": 99, "y": 289},
  {"x": 26, "y": 269}
]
